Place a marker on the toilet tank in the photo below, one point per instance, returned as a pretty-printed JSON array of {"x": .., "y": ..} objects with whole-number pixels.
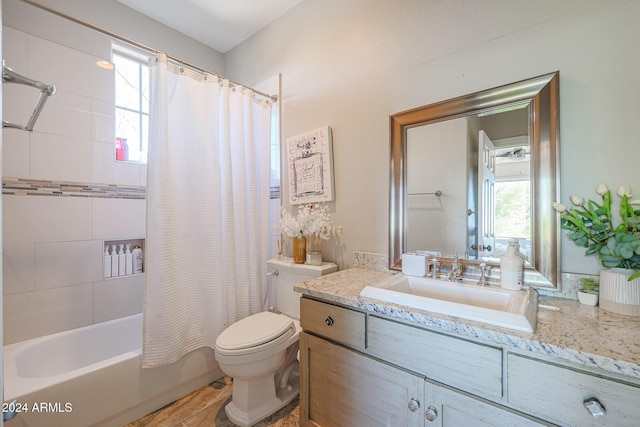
[{"x": 283, "y": 297}]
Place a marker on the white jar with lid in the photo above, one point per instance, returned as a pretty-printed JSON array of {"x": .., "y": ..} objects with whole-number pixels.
[{"x": 511, "y": 268}]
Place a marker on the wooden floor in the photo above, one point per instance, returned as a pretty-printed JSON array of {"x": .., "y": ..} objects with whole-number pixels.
[{"x": 205, "y": 407}]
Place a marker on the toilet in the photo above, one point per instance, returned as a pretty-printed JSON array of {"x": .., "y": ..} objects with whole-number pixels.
[{"x": 260, "y": 352}]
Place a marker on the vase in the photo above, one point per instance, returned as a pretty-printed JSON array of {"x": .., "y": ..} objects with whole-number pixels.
[
  {"x": 299, "y": 250},
  {"x": 588, "y": 299},
  {"x": 617, "y": 294}
]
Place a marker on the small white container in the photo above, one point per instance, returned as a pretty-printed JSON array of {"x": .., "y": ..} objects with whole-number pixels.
[
  {"x": 588, "y": 299},
  {"x": 107, "y": 263},
  {"x": 314, "y": 258},
  {"x": 128, "y": 261},
  {"x": 121, "y": 262},
  {"x": 414, "y": 265},
  {"x": 115, "y": 270},
  {"x": 511, "y": 268}
]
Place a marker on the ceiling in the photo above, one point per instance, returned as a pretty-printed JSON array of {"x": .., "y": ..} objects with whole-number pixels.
[{"x": 220, "y": 24}]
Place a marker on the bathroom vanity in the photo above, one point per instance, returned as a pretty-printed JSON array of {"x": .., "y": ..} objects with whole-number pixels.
[{"x": 364, "y": 362}]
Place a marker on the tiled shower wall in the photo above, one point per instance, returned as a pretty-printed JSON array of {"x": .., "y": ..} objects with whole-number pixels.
[{"x": 53, "y": 244}]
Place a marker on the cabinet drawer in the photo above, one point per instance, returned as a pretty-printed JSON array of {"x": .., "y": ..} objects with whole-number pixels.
[
  {"x": 557, "y": 393},
  {"x": 336, "y": 323},
  {"x": 468, "y": 366}
]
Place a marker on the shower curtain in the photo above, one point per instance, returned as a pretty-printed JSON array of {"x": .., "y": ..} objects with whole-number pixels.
[{"x": 207, "y": 210}]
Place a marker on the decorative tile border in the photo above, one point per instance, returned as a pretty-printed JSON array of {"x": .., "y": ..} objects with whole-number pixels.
[{"x": 34, "y": 187}]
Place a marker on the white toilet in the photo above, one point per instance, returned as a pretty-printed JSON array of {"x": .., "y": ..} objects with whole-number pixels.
[{"x": 260, "y": 352}]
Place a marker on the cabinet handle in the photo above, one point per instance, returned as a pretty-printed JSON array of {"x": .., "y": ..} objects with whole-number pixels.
[
  {"x": 328, "y": 321},
  {"x": 431, "y": 413},
  {"x": 594, "y": 407},
  {"x": 414, "y": 404}
]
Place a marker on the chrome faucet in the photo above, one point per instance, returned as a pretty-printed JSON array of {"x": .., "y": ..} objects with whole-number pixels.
[
  {"x": 455, "y": 274},
  {"x": 435, "y": 267},
  {"x": 484, "y": 269}
]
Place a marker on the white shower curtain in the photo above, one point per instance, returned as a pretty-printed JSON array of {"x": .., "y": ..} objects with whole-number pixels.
[{"x": 207, "y": 210}]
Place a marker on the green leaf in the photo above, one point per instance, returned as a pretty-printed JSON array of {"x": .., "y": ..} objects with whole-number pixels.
[
  {"x": 593, "y": 249},
  {"x": 634, "y": 276},
  {"x": 614, "y": 263},
  {"x": 600, "y": 227},
  {"x": 577, "y": 235},
  {"x": 626, "y": 237},
  {"x": 626, "y": 251}
]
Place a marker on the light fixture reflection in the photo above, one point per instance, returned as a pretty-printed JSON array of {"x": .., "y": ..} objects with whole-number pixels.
[{"x": 105, "y": 64}]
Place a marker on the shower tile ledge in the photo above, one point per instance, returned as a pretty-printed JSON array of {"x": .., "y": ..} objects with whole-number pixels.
[{"x": 566, "y": 330}]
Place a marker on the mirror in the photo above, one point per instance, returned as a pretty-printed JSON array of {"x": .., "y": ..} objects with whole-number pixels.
[{"x": 470, "y": 173}]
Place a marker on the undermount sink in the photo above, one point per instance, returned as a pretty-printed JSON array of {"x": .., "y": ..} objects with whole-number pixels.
[{"x": 492, "y": 305}]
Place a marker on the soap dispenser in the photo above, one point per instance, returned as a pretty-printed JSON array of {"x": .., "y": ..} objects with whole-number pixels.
[
  {"x": 511, "y": 268},
  {"x": 107, "y": 262},
  {"x": 115, "y": 271},
  {"x": 121, "y": 261},
  {"x": 128, "y": 261},
  {"x": 520, "y": 255}
]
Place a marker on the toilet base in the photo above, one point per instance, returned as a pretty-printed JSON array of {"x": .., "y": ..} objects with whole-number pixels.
[{"x": 283, "y": 396}]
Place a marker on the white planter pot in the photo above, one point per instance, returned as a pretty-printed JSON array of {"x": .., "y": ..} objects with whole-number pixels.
[
  {"x": 617, "y": 294},
  {"x": 588, "y": 299}
]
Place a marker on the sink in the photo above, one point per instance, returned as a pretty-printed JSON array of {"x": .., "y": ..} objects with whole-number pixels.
[{"x": 488, "y": 304}]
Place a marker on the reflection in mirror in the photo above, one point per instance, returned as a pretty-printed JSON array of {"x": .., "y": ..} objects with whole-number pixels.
[
  {"x": 472, "y": 173},
  {"x": 488, "y": 187}
]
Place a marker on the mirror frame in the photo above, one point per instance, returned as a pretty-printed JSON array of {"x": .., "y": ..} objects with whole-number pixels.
[{"x": 542, "y": 94}]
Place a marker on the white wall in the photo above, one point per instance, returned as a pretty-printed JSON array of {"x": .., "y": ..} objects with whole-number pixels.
[
  {"x": 440, "y": 221},
  {"x": 349, "y": 64},
  {"x": 53, "y": 246}
]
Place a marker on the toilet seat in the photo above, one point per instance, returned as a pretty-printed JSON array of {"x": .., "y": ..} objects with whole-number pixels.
[{"x": 255, "y": 333}]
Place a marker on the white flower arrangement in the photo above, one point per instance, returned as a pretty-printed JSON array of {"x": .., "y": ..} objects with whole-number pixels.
[{"x": 312, "y": 220}]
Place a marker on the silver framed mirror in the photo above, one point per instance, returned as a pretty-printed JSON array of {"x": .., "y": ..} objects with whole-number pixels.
[{"x": 537, "y": 101}]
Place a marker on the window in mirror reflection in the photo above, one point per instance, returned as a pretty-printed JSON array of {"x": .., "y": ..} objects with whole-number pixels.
[
  {"x": 132, "y": 105},
  {"x": 513, "y": 199}
]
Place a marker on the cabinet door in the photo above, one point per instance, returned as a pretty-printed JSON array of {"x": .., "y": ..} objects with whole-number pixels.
[
  {"x": 446, "y": 407},
  {"x": 562, "y": 395},
  {"x": 341, "y": 387}
]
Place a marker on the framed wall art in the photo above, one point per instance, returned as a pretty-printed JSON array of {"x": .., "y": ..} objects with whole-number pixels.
[{"x": 310, "y": 166}]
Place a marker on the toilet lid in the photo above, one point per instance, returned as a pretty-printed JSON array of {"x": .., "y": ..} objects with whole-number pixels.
[{"x": 255, "y": 330}]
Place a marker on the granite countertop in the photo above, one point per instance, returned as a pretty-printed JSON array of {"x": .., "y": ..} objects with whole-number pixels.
[{"x": 566, "y": 329}]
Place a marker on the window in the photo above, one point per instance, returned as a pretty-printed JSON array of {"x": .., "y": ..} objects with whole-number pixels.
[{"x": 132, "y": 105}]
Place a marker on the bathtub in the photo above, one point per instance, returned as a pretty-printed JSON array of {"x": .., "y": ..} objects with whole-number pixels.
[{"x": 91, "y": 376}]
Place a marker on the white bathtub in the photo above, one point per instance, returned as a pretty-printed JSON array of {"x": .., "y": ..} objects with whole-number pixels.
[{"x": 91, "y": 376}]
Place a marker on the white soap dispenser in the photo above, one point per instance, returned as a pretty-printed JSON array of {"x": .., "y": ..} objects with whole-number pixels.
[
  {"x": 520, "y": 255},
  {"x": 115, "y": 271},
  {"x": 107, "y": 262},
  {"x": 121, "y": 261},
  {"x": 128, "y": 256},
  {"x": 511, "y": 267}
]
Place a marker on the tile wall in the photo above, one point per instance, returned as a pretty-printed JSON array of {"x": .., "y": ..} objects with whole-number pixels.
[{"x": 53, "y": 244}]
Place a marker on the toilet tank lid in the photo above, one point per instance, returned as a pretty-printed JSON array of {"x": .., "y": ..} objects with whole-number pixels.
[
  {"x": 287, "y": 264},
  {"x": 255, "y": 330}
]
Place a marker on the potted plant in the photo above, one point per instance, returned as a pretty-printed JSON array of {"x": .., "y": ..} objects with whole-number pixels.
[
  {"x": 591, "y": 225},
  {"x": 588, "y": 292}
]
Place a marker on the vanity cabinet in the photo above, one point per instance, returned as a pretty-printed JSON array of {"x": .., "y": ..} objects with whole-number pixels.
[{"x": 377, "y": 372}]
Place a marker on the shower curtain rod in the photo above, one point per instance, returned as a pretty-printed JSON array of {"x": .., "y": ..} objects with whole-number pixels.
[{"x": 273, "y": 98}]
